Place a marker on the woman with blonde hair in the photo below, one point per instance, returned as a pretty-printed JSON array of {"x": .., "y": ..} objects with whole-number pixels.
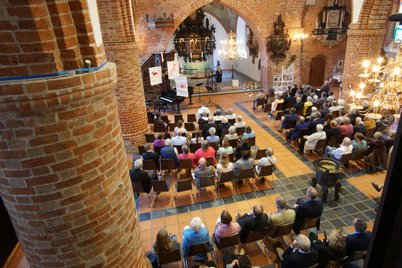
[
  {"x": 332, "y": 248},
  {"x": 226, "y": 148},
  {"x": 165, "y": 242},
  {"x": 224, "y": 164}
]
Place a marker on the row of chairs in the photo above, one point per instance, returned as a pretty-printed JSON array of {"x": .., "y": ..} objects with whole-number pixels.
[{"x": 191, "y": 118}]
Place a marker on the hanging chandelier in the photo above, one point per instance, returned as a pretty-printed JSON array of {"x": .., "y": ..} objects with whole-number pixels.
[
  {"x": 232, "y": 49},
  {"x": 386, "y": 80}
]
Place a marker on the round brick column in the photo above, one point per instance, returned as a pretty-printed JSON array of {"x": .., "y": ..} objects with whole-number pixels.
[
  {"x": 64, "y": 176},
  {"x": 361, "y": 45}
]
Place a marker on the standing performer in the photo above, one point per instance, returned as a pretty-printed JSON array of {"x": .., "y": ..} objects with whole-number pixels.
[{"x": 218, "y": 76}]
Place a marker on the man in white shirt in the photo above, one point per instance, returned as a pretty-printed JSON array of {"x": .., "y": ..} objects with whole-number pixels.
[
  {"x": 179, "y": 140},
  {"x": 312, "y": 140},
  {"x": 203, "y": 109},
  {"x": 336, "y": 153}
]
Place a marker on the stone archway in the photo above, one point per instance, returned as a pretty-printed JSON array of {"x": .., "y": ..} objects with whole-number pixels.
[{"x": 242, "y": 10}]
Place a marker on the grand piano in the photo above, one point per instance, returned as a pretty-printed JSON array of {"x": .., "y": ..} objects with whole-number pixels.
[{"x": 170, "y": 97}]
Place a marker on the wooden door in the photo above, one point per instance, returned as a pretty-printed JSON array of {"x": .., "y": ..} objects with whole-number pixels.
[{"x": 317, "y": 71}]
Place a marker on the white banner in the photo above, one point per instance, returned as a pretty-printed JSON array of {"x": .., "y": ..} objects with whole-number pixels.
[
  {"x": 173, "y": 69},
  {"x": 155, "y": 75},
  {"x": 181, "y": 86}
]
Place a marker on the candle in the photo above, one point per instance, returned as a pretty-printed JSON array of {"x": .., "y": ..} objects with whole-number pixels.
[
  {"x": 191, "y": 56},
  {"x": 162, "y": 56},
  {"x": 202, "y": 55}
]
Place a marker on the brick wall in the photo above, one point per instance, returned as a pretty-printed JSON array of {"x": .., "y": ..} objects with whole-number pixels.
[
  {"x": 64, "y": 176},
  {"x": 39, "y": 36}
]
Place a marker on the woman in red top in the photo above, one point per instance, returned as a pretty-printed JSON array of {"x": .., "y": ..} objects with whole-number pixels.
[
  {"x": 205, "y": 152},
  {"x": 186, "y": 154}
]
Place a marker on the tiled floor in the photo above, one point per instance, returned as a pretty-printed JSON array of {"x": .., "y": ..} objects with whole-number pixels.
[{"x": 290, "y": 180}]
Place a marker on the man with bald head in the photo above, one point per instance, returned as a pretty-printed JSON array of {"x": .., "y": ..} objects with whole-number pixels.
[
  {"x": 255, "y": 220},
  {"x": 202, "y": 171},
  {"x": 311, "y": 208}
]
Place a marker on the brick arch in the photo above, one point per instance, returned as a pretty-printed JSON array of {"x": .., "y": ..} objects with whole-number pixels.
[
  {"x": 374, "y": 14},
  {"x": 242, "y": 10}
]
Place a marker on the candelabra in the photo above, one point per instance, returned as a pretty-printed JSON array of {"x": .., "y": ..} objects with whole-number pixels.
[{"x": 231, "y": 49}]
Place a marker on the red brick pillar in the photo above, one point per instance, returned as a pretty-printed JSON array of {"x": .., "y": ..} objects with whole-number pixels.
[
  {"x": 361, "y": 45},
  {"x": 120, "y": 46},
  {"x": 63, "y": 172}
]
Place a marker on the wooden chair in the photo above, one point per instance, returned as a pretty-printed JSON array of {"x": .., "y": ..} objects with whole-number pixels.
[
  {"x": 149, "y": 138},
  {"x": 206, "y": 182},
  {"x": 224, "y": 177},
  {"x": 320, "y": 146},
  {"x": 240, "y": 130},
  {"x": 149, "y": 164},
  {"x": 189, "y": 126},
  {"x": 260, "y": 153},
  {"x": 267, "y": 108},
  {"x": 194, "y": 250},
  {"x": 169, "y": 257},
  {"x": 232, "y": 121},
  {"x": 159, "y": 128},
  {"x": 159, "y": 187},
  {"x": 233, "y": 143},
  {"x": 256, "y": 237},
  {"x": 310, "y": 223},
  {"x": 165, "y": 119},
  {"x": 138, "y": 188},
  {"x": 185, "y": 164},
  {"x": 244, "y": 174},
  {"x": 251, "y": 141},
  {"x": 167, "y": 136},
  {"x": 184, "y": 185},
  {"x": 279, "y": 231},
  {"x": 141, "y": 149},
  {"x": 194, "y": 147},
  {"x": 168, "y": 164},
  {"x": 191, "y": 118},
  {"x": 333, "y": 141},
  {"x": 171, "y": 127},
  {"x": 178, "y": 117},
  {"x": 345, "y": 158},
  {"x": 229, "y": 241},
  {"x": 266, "y": 171}
]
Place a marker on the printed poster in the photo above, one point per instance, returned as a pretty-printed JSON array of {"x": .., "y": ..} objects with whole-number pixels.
[
  {"x": 181, "y": 86},
  {"x": 155, "y": 75},
  {"x": 173, "y": 69}
]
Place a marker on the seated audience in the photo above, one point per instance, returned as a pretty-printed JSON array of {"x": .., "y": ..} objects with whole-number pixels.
[
  {"x": 315, "y": 120},
  {"x": 203, "y": 110},
  {"x": 274, "y": 105},
  {"x": 169, "y": 151},
  {"x": 283, "y": 216},
  {"x": 212, "y": 137},
  {"x": 259, "y": 96},
  {"x": 225, "y": 226},
  {"x": 341, "y": 118},
  {"x": 311, "y": 208},
  {"x": 311, "y": 141},
  {"x": 244, "y": 146},
  {"x": 165, "y": 242},
  {"x": 269, "y": 160},
  {"x": 230, "y": 114},
  {"x": 334, "y": 106},
  {"x": 158, "y": 121},
  {"x": 218, "y": 116},
  {"x": 248, "y": 133},
  {"x": 202, "y": 171},
  {"x": 307, "y": 104},
  {"x": 225, "y": 149},
  {"x": 359, "y": 240},
  {"x": 288, "y": 120},
  {"x": 224, "y": 125},
  {"x": 198, "y": 138},
  {"x": 159, "y": 141},
  {"x": 325, "y": 110},
  {"x": 195, "y": 234},
  {"x": 179, "y": 139},
  {"x": 180, "y": 126},
  {"x": 243, "y": 163},
  {"x": 359, "y": 144},
  {"x": 150, "y": 154},
  {"x": 359, "y": 126},
  {"x": 353, "y": 114},
  {"x": 205, "y": 151},
  {"x": 346, "y": 129},
  {"x": 299, "y": 104},
  {"x": 256, "y": 220},
  {"x": 203, "y": 120},
  {"x": 232, "y": 135},
  {"x": 294, "y": 133},
  {"x": 336, "y": 153},
  {"x": 299, "y": 254},
  {"x": 239, "y": 122},
  {"x": 186, "y": 154},
  {"x": 332, "y": 248},
  {"x": 205, "y": 128},
  {"x": 333, "y": 131},
  {"x": 377, "y": 153},
  {"x": 224, "y": 165},
  {"x": 138, "y": 175}
]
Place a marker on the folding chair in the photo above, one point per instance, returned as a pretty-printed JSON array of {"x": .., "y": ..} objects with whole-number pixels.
[
  {"x": 194, "y": 147},
  {"x": 165, "y": 119},
  {"x": 138, "y": 188},
  {"x": 159, "y": 187},
  {"x": 186, "y": 164},
  {"x": 149, "y": 137},
  {"x": 149, "y": 164},
  {"x": 169, "y": 257},
  {"x": 256, "y": 237},
  {"x": 251, "y": 141},
  {"x": 260, "y": 153},
  {"x": 311, "y": 223},
  {"x": 189, "y": 126},
  {"x": 191, "y": 118},
  {"x": 206, "y": 182},
  {"x": 178, "y": 117},
  {"x": 266, "y": 171},
  {"x": 194, "y": 250},
  {"x": 320, "y": 146},
  {"x": 243, "y": 175},
  {"x": 168, "y": 164},
  {"x": 184, "y": 185},
  {"x": 227, "y": 176}
]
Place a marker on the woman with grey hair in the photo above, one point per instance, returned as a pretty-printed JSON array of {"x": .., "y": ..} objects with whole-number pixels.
[
  {"x": 269, "y": 160},
  {"x": 311, "y": 141}
]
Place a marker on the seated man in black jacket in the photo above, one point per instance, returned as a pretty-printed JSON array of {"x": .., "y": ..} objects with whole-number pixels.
[
  {"x": 150, "y": 154},
  {"x": 254, "y": 221},
  {"x": 299, "y": 254},
  {"x": 359, "y": 240},
  {"x": 138, "y": 175},
  {"x": 311, "y": 208},
  {"x": 206, "y": 127}
]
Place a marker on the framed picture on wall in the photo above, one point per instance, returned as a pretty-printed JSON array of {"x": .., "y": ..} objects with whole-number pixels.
[{"x": 340, "y": 63}]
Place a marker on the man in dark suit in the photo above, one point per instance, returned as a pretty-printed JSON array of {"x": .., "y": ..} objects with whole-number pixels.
[
  {"x": 206, "y": 127},
  {"x": 138, "y": 175},
  {"x": 288, "y": 119},
  {"x": 150, "y": 154},
  {"x": 254, "y": 221},
  {"x": 311, "y": 208},
  {"x": 359, "y": 240},
  {"x": 299, "y": 254}
]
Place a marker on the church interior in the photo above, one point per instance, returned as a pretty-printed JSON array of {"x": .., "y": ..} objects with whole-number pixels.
[{"x": 164, "y": 133}]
